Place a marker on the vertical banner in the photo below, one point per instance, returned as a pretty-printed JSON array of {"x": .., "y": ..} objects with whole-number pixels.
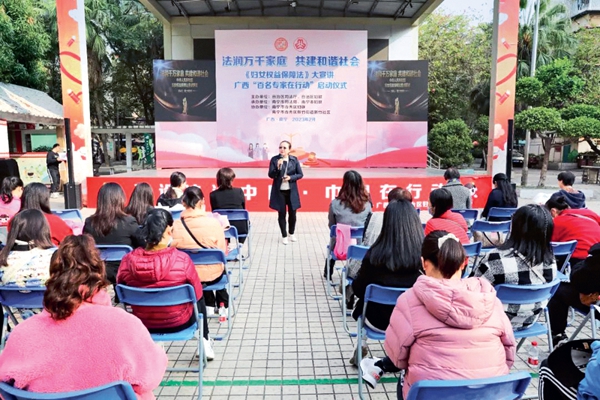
[
  {"x": 185, "y": 113},
  {"x": 397, "y": 110},
  {"x": 75, "y": 86},
  {"x": 304, "y": 86},
  {"x": 504, "y": 76}
]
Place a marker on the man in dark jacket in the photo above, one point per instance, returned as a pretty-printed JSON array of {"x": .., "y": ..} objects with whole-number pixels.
[
  {"x": 575, "y": 198},
  {"x": 52, "y": 163}
]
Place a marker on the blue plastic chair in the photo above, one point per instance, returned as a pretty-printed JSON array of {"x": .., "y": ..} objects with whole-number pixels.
[
  {"x": 119, "y": 390},
  {"x": 507, "y": 387},
  {"x": 235, "y": 255},
  {"x": 22, "y": 298},
  {"x": 216, "y": 256},
  {"x": 472, "y": 250},
  {"x": 355, "y": 252},
  {"x": 590, "y": 316},
  {"x": 490, "y": 227},
  {"x": 564, "y": 249},
  {"x": 530, "y": 294},
  {"x": 380, "y": 295},
  {"x": 113, "y": 252},
  {"x": 69, "y": 214},
  {"x": 501, "y": 213},
  {"x": 176, "y": 214},
  {"x": 469, "y": 214},
  {"x": 355, "y": 233},
  {"x": 239, "y": 215},
  {"x": 166, "y": 297}
]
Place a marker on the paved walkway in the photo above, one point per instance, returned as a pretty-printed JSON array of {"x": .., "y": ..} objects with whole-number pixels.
[{"x": 287, "y": 339}]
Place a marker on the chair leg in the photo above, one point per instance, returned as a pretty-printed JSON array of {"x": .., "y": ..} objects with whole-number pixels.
[
  {"x": 329, "y": 282},
  {"x": 593, "y": 318},
  {"x": 548, "y": 329},
  {"x": 344, "y": 307},
  {"x": 230, "y": 314},
  {"x": 4, "y": 330},
  {"x": 580, "y": 327},
  {"x": 359, "y": 333},
  {"x": 201, "y": 357},
  {"x": 520, "y": 343}
]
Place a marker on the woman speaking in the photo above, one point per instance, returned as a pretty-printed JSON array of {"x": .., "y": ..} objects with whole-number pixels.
[{"x": 285, "y": 170}]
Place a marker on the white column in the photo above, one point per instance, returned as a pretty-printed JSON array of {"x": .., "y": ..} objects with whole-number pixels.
[
  {"x": 404, "y": 43},
  {"x": 128, "y": 150}
]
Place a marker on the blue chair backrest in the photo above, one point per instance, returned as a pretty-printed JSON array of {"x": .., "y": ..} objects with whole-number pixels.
[
  {"x": 501, "y": 212},
  {"x": 206, "y": 256},
  {"x": 19, "y": 297},
  {"x": 356, "y": 232},
  {"x": 234, "y": 215},
  {"x": 526, "y": 294},
  {"x": 115, "y": 391},
  {"x": 473, "y": 249},
  {"x": 356, "y": 252},
  {"x": 507, "y": 387},
  {"x": 382, "y": 294},
  {"x": 156, "y": 297},
  {"x": 176, "y": 214},
  {"x": 231, "y": 233},
  {"x": 468, "y": 214},
  {"x": 564, "y": 248},
  {"x": 71, "y": 213},
  {"x": 487, "y": 226},
  {"x": 113, "y": 252}
]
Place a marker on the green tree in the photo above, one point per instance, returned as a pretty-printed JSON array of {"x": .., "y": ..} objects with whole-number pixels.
[
  {"x": 452, "y": 142},
  {"x": 545, "y": 123},
  {"x": 582, "y": 121},
  {"x": 555, "y": 40},
  {"x": 23, "y": 43},
  {"x": 587, "y": 60}
]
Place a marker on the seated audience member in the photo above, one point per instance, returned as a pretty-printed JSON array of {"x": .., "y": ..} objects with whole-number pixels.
[
  {"x": 525, "y": 258},
  {"x": 111, "y": 225},
  {"x": 351, "y": 207},
  {"x": 140, "y": 202},
  {"x": 226, "y": 197},
  {"x": 574, "y": 198},
  {"x": 25, "y": 260},
  {"x": 503, "y": 195},
  {"x": 443, "y": 219},
  {"x": 374, "y": 220},
  {"x": 582, "y": 291},
  {"x": 461, "y": 196},
  {"x": 157, "y": 266},
  {"x": 10, "y": 198},
  {"x": 95, "y": 342},
  {"x": 582, "y": 225},
  {"x": 172, "y": 197},
  {"x": 445, "y": 327},
  {"x": 196, "y": 229},
  {"x": 393, "y": 260},
  {"x": 36, "y": 196}
]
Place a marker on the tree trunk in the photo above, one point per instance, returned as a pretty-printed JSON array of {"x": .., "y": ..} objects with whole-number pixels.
[
  {"x": 547, "y": 143},
  {"x": 593, "y": 146}
]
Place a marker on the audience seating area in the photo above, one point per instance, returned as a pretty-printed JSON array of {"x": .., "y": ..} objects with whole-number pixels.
[{"x": 288, "y": 333}]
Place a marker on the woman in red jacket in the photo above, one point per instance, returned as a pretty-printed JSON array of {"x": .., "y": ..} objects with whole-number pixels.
[
  {"x": 440, "y": 207},
  {"x": 159, "y": 265}
]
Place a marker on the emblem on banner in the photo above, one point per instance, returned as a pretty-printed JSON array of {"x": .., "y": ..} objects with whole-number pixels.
[
  {"x": 300, "y": 44},
  {"x": 281, "y": 44}
]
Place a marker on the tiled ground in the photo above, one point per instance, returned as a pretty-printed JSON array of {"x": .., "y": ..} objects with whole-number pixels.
[{"x": 287, "y": 339}]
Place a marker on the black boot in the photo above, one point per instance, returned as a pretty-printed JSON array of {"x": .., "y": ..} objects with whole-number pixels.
[{"x": 331, "y": 266}]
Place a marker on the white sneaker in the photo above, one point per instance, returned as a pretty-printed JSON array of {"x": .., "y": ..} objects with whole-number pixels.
[
  {"x": 210, "y": 311},
  {"x": 54, "y": 195},
  {"x": 208, "y": 349},
  {"x": 293, "y": 238},
  {"x": 284, "y": 240},
  {"x": 370, "y": 372}
]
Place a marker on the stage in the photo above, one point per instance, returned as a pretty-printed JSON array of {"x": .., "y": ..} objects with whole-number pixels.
[{"x": 318, "y": 187}]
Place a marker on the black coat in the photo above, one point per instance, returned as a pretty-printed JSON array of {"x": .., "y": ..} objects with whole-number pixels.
[{"x": 294, "y": 171}]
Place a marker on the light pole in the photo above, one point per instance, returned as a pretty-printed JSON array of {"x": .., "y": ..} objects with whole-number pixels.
[{"x": 532, "y": 67}]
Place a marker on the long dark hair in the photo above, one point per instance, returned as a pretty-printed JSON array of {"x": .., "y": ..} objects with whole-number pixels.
[
  {"x": 176, "y": 180},
  {"x": 192, "y": 195},
  {"x": 141, "y": 200},
  {"x": 156, "y": 222},
  {"x": 28, "y": 226},
  {"x": 353, "y": 193},
  {"x": 77, "y": 273},
  {"x": 531, "y": 233},
  {"x": 448, "y": 258},
  {"x": 557, "y": 201},
  {"x": 110, "y": 208},
  {"x": 36, "y": 196},
  {"x": 401, "y": 237},
  {"x": 441, "y": 201},
  {"x": 509, "y": 196},
  {"x": 9, "y": 184}
]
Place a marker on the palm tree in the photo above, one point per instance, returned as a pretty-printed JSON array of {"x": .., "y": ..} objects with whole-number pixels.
[{"x": 555, "y": 40}]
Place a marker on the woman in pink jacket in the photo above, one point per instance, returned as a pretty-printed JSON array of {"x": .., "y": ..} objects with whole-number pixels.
[
  {"x": 80, "y": 341},
  {"x": 443, "y": 327}
]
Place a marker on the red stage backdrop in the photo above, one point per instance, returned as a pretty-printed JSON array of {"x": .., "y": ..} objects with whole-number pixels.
[
  {"x": 315, "y": 193},
  {"x": 310, "y": 87}
]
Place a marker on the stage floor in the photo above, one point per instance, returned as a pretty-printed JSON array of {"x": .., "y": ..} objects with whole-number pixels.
[{"x": 318, "y": 187}]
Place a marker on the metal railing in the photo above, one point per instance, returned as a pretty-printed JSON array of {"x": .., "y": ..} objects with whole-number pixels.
[{"x": 433, "y": 160}]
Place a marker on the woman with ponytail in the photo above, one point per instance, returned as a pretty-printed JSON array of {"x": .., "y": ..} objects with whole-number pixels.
[
  {"x": 434, "y": 321},
  {"x": 95, "y": 342},
  {"x": 172, "y": 197},
  {"x": 503, "y": 195}
]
